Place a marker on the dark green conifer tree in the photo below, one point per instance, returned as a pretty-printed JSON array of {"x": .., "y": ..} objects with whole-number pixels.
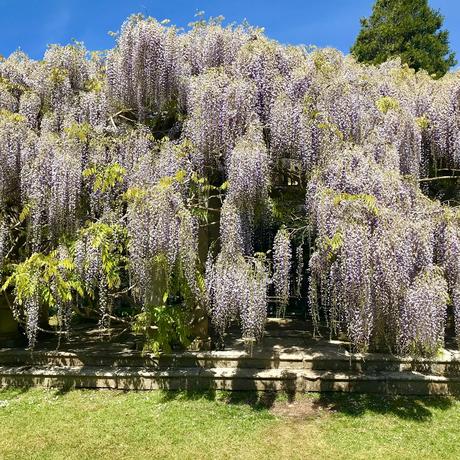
[{"x": 410, "y": 29}]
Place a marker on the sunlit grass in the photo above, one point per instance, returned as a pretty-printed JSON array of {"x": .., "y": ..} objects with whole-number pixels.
[{"x": 110, "y": 425}]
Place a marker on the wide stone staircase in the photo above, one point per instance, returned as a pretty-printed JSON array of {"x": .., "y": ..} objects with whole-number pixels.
[{"x": 289, "y": 360}]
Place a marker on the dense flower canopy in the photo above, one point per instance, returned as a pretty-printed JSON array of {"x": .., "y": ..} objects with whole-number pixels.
[{"x": 311, "y": 166}]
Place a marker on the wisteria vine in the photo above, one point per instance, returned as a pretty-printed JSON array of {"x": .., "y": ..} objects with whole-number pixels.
[{"x": 218, "y": 170}]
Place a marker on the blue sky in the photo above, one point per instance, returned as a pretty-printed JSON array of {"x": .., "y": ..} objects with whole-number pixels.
[{"x": 32, "y": 24}]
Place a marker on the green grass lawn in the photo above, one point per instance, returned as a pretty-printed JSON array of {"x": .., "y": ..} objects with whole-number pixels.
[{"x": 114, "y": 425}]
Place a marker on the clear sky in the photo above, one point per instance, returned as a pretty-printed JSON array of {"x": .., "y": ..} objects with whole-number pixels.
[{"x": 33, "y": 24}]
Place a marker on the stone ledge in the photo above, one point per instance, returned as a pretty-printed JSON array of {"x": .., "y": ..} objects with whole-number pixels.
[
  {"x": 230, "y": 379},
  {"x": 320, "y": 359}
]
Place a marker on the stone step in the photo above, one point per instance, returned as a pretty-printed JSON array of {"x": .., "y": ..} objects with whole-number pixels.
[
  {"x": 334, "y": 360},
  {"x": 230, "y": 379}
]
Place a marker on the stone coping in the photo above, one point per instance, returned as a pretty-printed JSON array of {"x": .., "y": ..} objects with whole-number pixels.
[
  {"x": 226, "y": 373},
  {"x": 320, "y": 352}
]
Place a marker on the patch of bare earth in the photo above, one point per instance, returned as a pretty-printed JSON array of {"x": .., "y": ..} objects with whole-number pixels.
[{"x": 300, "y": 409}]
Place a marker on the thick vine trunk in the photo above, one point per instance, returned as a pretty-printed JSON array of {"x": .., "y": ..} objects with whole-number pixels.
[{"x": 9, "y": 332}]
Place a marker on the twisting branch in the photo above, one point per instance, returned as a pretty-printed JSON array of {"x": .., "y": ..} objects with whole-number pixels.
[{"x": 432, "y": 179}]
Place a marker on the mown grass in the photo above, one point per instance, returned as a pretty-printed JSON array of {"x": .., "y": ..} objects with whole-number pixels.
[{"x": 45, "y": 424}]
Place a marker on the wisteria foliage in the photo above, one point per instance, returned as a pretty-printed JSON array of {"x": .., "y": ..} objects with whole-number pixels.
[{"x": 127, "y": 160}]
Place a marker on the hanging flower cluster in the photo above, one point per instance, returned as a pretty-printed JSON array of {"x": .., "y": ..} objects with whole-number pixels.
[
  {"x": 221, "y": 107},
  {"x": 282, "y": 255},
  {"x": 236, "y": 285},
  {"x": 143, "y": 71},
  {"x": 377, "y": 241}
]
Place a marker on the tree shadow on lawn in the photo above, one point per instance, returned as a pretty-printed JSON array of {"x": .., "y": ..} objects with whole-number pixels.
[
  {"x": 257, "y": 400},
  {"x": 416, "y": 408},
  {"x": 12, "y": 392}
]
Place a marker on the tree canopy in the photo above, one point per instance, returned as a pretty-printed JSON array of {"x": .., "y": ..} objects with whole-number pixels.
[{"x": 410, "y": 29}]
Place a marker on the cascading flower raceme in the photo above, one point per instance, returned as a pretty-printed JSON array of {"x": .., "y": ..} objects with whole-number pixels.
[
  {"x": 248, "y": 169},
  {"x": 221, "y": 107},
  {"x": 144, "y": 70},
  {"x": 282, "y": 261},
  {"x": 423, "y": 314}
]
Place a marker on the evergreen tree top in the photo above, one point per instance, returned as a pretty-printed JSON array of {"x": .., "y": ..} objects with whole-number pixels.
[{"x": 410, "y": 29}]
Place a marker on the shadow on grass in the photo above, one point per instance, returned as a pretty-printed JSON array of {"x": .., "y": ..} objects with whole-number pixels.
[
  {"x": 256, "y": 400},
  {"x": 62, "y": 391},
  {"x": 416, "y": 408},
  {"x": 11, "y": 392}
]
